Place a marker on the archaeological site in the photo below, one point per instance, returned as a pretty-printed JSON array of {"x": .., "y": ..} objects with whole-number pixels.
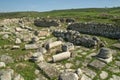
[{"x": 71, "y": 44}]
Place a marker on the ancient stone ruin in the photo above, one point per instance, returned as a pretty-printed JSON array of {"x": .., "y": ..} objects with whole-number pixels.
[
  {"x": 107, "y": 30},
  {"x": 105, "y": 54},
  {"x": 46, "y": 23},
  {"x": 57, "y": 53},
  {"x": 75, "y": 38}
]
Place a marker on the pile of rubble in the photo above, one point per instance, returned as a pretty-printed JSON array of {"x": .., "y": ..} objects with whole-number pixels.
[
  {"x": 63, "y": 58},
  {"x": 9, "y": 74},
  {"x": 76, "y": 38}
]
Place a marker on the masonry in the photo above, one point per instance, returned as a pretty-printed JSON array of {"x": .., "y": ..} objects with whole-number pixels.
[{"x": 107, "y": 30}]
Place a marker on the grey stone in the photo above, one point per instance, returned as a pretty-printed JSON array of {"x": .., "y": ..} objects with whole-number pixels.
[
  {"x": 6, "y": 74},
  {"x": 37, "y": 57},
  {"x": 34, "y": 39},
  {"x": 49, "y": 70},
  {"x": 42, "y": 33},
  {"x": 114, "y": 69},
  {"x": 42, "y": 50},
  {"x": 84, "y": 77},
  {"x": 68, "y": 76},
  {"x": 105, "y": 53},
  {"x": 96, "y": 38},
  {"x": 115, "y": 77},
  {"x": 5, "y": 36},
  {"x": 103, "y": 75},
  {"x": 68, "y": 65},
  {"x": 9, "y": 74},
  {"x": 18, "y": 77},
  {"x": 67, "y": 46},
  {"x": 97, "y": 64},
  {"x": 6, "y": 59},
  {"x": 41, "y": 77},
  {"x": 117, "y": 63},
  {"x": 117, "y": 45},
  {"x": 89, "y": 72},
  {"x": 26, "y": 37}
]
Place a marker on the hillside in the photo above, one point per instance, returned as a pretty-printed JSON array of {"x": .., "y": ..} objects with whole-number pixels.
[{"x": 106, "y": 15}]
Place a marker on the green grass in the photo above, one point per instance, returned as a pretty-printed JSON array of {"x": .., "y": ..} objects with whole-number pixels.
[
  {"x": 109, "y": 42},
  {"x": 87, "y": 14},
  {"x": 26, "y": 69}
]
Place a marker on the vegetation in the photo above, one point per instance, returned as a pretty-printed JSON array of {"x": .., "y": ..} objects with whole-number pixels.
[{"x": 107, "y": 15}]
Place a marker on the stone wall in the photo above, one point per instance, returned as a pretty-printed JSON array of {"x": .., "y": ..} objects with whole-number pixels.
[
  {"x": 75, "y": 37},
  {"x": 45, "y": 23},
  {"x": 107, "y": 30}
]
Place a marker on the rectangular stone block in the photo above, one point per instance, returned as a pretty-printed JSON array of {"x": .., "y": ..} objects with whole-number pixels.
[{"x": 97, "y": 64}]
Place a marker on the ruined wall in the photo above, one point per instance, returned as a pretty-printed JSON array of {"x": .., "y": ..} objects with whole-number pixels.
[
  {"x": 107, "y": 30},
  {"x": 75, "y": 38}
]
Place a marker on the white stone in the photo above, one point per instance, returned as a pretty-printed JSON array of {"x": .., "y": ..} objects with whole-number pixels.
[
  {"x": 6, "y": 36},
  {"x": 16, "y": 47},
  {"x": 31, "y": 46},
  {"x": 84, "y": 77},
  {"x": 18, "y": 29},
  {"x": 2, "y": 64},
  {"x": 68, "y": 65},
  {"x": 103, "y": 75},
  {"x": 61, "y": 56},
  {"x": 37, "y": 71},
  {"x": 79, "y": 72},
  {"x": 83, "y": 53},
  {"x": 17, "y": 41},
  {"x": 53, "y": 44}
]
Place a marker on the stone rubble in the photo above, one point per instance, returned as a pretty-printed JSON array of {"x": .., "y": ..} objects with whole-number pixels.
[
  {"x": 75, "y": 38},
  {"x": 49, "y": 70},
  {"x": 6, "y": 59},
  {"x": 59, "y": 54},
  {"x": 9, "y": 74}
]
